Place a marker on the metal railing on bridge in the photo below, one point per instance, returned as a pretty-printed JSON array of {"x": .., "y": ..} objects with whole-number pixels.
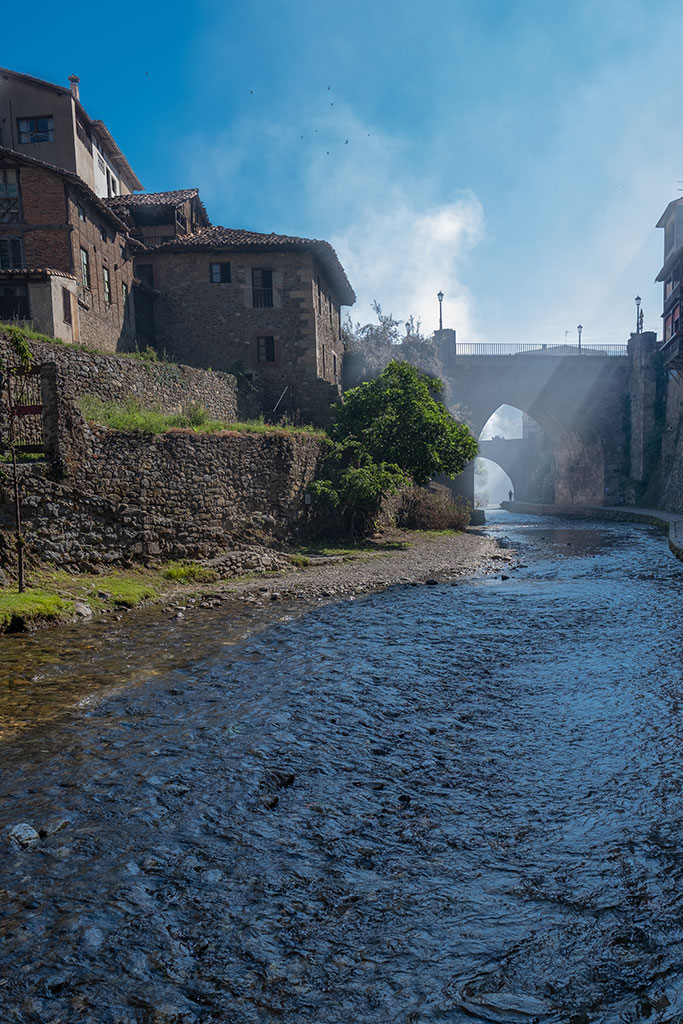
[{"x": 471, "y": 348}]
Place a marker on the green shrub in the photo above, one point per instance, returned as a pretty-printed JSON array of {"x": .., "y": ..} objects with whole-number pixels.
[{"x": 300, "y": 561}]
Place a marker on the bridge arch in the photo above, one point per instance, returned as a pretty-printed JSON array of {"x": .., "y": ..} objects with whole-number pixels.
[{"x": 573, "y": 400}]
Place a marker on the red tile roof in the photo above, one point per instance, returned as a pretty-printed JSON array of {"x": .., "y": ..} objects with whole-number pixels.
[
  {"x": 40, "y": 271},
  {"x": 213, "y": 238},
  {"x": 181, "y": 195}
]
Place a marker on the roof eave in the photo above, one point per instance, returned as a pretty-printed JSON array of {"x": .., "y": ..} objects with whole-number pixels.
[{"x": 119, "y": 159}]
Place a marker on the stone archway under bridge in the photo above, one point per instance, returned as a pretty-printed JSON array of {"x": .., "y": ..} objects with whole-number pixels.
[{"x": 580, "y": 401}]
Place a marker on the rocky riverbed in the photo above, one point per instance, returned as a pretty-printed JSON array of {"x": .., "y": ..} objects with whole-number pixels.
[{"x": 451, "y": 802}]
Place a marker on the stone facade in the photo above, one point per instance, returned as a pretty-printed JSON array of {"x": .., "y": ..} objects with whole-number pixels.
[{"x": 265, "y": 306}]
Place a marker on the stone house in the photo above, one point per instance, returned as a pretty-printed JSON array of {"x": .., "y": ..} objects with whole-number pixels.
[
  {"x": 264, "y": 305},
  {"x": 65, "y": 257},
  {"x": 153, "y": 219},
  {"x": 49, "y": 123}
]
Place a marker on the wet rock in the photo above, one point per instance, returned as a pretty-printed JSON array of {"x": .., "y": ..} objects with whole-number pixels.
[
  {"x": 403, "y": 799},
  {"x": 54, "y": 825},
  {"x": 24, "y": 835},
  {"x": 504, "y": 577},
  {"x": 93, "y": 937},
  {"x": 270, "y": 800},
  {"x": 83, "y": 610},
  {"x": 280, "y": 779},
  {"x": 431, "y": 582}
]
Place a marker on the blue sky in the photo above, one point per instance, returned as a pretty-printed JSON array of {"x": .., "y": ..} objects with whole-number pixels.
[{"x": 514, "y": 155}]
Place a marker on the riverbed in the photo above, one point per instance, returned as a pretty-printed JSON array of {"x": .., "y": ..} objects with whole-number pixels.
[{"x": 451, "y": 802}]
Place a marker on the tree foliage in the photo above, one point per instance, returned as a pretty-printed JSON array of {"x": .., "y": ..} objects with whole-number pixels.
[
  {"x": 398, "y": 419},
  {"x": 354, "y": 486}
]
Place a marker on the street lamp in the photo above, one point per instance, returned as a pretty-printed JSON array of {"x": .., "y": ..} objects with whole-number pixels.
[
  {"x": 639, "y": 316},
  {"x": 580, "y": 329},
  {"x": 439, "y": 296}
]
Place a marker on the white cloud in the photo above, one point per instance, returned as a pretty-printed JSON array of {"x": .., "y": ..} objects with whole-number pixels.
[
  {"x": 398, "y": 244},
  {"x": 403, "y": 253},
  {"x": 399, "y": 239}
]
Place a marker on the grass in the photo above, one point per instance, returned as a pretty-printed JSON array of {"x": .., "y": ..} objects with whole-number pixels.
[
  {"x": 189, "y": 572},
  {"x": 33, "y": 605},
  {"x": 131, "y": 415},
  {"x": 128, "y": 590},
  {"x": 299, "y": 561},
  {"x": 147, "y": 355}
]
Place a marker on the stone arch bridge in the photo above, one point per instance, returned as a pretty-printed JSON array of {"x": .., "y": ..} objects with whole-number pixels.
[{"x": 596, "y": 407}]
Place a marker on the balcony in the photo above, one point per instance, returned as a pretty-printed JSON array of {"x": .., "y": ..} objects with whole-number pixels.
[
  {"x": 263, "y": 298},
  {"x": 672, "y": 351}
]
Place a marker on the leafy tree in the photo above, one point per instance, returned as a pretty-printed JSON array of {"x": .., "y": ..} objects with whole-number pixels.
[
  {"x": 398, "y": 419},
  {"x": 355, "y": 485}
]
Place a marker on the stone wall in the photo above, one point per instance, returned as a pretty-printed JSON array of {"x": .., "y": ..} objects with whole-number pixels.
[
  {"x": 136, "y": 498},
  {"x": 117, "y": 378},
  {"x": 669, "y": 493}
]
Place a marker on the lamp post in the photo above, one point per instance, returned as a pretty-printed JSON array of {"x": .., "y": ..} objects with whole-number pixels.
[
  {"x": 579, "y": 329},
  {"x": 639, "y": 316},
  {"x": 439, "y": 296}
]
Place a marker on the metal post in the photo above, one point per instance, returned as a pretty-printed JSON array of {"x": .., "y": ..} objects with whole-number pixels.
[
  {"x": 17, "y": 503},
  {"x": 439, "y": 296},
  {"x": 580, "y": 329}
]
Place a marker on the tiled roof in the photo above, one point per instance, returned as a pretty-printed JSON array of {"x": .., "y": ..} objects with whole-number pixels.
[
  {"x": 31, "y": 161},
  {"x": 253, "y": 241},
  {"x": 181, "y": 195},
  {"x": 42, "y": 271}
]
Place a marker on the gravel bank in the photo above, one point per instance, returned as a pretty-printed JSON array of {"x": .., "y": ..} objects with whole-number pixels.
[{"x": 427, "y": 557}]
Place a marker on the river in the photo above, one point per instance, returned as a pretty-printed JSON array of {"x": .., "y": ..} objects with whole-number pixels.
[{"x": 437, "y": 803}]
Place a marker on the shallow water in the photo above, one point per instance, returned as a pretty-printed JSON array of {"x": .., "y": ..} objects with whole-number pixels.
[{"x": 446, "y": 803}]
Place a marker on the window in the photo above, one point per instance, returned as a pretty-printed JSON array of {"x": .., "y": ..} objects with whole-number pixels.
[
  {"x": 219, "y": 273},
  {"x": 265, "y": 350},
  {"x": 11, "y": 254},
  {"x": 107, "y": 285},
  {"x": 14, "y": 302},
  {"x": 9, "y": 197},
  {"x": 81, "y": 211},
  {"x": 103, "y": 234},
  {"x": 145, "y": 273},
  {"x": 124, "y": 290},
  {"x": 334, "y": 366},
  {"x": 100, "y": 163},
  {"x": 262, "y": 287},
  {"x": 66, "y": 306},
  {"x": 122, "y": 253},
  {"x": 36, "y": 129},
  {"x": 85, "y": 268}
]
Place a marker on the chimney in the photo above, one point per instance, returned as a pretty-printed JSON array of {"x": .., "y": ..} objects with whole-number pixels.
[{"x": 74, "y": 79}]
